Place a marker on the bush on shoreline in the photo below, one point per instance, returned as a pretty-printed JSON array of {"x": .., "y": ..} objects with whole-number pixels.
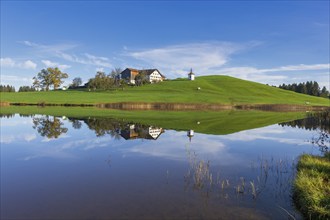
[{"x": 312, "y": 186}]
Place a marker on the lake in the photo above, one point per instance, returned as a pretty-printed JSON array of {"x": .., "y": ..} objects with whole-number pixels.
[{"x": 89, "y": 167}]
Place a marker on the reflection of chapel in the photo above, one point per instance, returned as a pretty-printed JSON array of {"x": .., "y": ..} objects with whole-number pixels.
[
  {"x": 190, "y": 134},
  {"x": 191, "y": 75}
]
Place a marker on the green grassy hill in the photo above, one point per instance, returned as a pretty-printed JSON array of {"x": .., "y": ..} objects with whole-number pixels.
[{"x": 213, "y": 90}]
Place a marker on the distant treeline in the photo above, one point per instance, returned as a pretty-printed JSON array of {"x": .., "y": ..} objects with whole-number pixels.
[
  {"x": 309, "y": 88},
  {"x": 26, "y": 89},
  {"x": 7, "y": 88}
]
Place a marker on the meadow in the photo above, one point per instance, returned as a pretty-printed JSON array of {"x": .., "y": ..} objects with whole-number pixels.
[{"x": 222, "y": 90}]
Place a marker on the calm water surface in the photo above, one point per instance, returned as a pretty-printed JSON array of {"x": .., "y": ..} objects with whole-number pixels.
[{"x": 60, "y": 168}]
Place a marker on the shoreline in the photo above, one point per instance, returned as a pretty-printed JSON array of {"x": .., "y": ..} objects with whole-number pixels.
[{"x": 180, "y": 106}]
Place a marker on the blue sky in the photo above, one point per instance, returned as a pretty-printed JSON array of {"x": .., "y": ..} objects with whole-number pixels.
[{"x": 268, "y": 42}]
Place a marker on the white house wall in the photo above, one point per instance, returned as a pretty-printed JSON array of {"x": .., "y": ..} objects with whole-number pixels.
[{"x": 155, "y": 76}]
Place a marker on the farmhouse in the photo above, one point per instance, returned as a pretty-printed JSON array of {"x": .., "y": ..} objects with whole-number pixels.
[{"x": 152, "y": 75}]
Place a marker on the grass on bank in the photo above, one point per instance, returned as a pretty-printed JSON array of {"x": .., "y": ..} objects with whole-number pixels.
[
  {"x": 213, "y": 90},
  {"x": 208, "y": 122},
  {"x": 312, "y": 186}
]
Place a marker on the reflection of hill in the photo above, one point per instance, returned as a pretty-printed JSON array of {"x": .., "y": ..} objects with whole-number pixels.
[
  {"x": 208, "y": 122},
  {"x": 221, "y": 122}
]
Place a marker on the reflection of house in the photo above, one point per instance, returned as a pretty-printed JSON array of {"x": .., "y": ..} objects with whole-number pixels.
[
  {"x": 154, "y": 132},
  {"x": 152, "y": 75},
  {"x": 144, "y": 132},
  {"x": 129, "y": 132}
]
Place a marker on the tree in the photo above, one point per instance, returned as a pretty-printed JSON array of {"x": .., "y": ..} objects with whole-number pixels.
[
  {"x": 101, "y": 81},
  {"x": 324, "y": 92},
  {"x": 42, "y": 80},
  {"x": 26, "y": 89},
  {"x": 141, "y": 78},
  {"x": 115, "y": 74},
  {"x": 310, "y": 88},
  {"x": 36, "y": 84},
  {"x": 7, "y": 88},
  {"x": 56, "y": 76},
  {"x": 48, "y": 77},
  {"x": 76, "y": 82}
]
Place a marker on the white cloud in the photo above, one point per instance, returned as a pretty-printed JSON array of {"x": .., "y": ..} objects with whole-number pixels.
[
  {"x": 86, "y": 59},
  {"x": 28, "y": 65},
  {"x": 61, "y": 51},
  {"x": 178, "y": 59},
  {"x": 49, "y": 63},
  {"x": 12, "y": 79},
  {"x": 49, "y": 48},
  {"x": 300, "y": 67},
  {"x": 99, "y": 69},
  {"x": 7, "y": 139},
  {"x": 266, "y": 75},
  {"x": 9, "y": 62}
]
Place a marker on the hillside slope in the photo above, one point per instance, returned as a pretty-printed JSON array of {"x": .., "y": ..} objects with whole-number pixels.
[{"x": 213, "y": 90}]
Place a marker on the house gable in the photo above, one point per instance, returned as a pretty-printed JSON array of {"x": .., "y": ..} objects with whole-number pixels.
[
  {"x": 129, "y": 75},
  {"x": 153, "y": 75}
]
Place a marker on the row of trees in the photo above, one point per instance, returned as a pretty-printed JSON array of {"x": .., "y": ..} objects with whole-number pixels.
[
  {"x": 26, "y": 89},
  {"x": 7, "y": 88},
  {"x": 310, "y": 88},
  {"x": 53, "y": 77},
  {"x": 104, "y": 81}
]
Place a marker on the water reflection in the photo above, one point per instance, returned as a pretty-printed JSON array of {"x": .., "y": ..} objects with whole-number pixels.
[
  {"x": 76, "y": 124},
  {"x": 134, "y": 131},
  {"x": 320, "y": 122},
  {"x": 313, "y": 121},
  {"x": 148, "y": 172},
  {"x": 266, "y": 177},
  {"x": 49, "y": 126}
]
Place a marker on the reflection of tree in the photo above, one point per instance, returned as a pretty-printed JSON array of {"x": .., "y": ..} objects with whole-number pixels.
[
  {"x": 76, "y": 124},
  {"x": 26, "y": 115},
  {"x": 322, "y": 140},
  {"x": 314, "y": 121},
  {"x": 49, "y": 126},
  {"x": 319, "y": 121},
  {"x": 118, "y": 128},
  {"x": 103, "y": 126},
  {"x": 7, "y": 115}
]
